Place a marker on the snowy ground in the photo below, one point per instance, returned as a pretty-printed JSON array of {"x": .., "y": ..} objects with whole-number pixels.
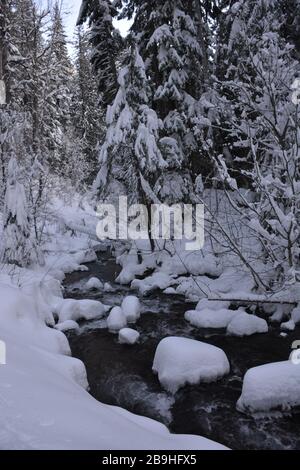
[{"x": 43, "y": 399}]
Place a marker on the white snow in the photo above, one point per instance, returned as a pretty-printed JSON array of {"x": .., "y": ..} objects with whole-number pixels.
[
  {"x": 70, "y": 309},
  {"x": 44, "y": 404},
  {"x": 128, "y": 336},
  {"x": 43, "y": 401},
  {"x": 131, "y": 308},
  {"x": 94, "y": 283},
  {"x": 212, "y": 304},
  {"x": 207, "y": 318},
  {"x": 67, "y": 325},
  {"x": 116, "y": 320},
  {"x": 108, "y": 287},
  {"x": 296, "y": 315},
  {"x": 244, "y": 324},
  {"x": 288, "y": 325},
  {"x": 271, "y": 386},
  {"x": 180, "y": 361}
]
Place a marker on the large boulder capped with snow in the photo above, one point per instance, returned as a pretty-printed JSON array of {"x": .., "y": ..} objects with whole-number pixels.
[
  {"x": 179, "y": 361},
  {"x": 131, "y": 308},
  {"x": 244, "y": 324},
  {"x": 116, "y": 320},
  {"x": 271, "y": 386}
]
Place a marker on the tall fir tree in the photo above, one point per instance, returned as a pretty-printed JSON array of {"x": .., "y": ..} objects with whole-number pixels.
[
  {"x": 88, "y": 117},
  {"x": 58, "y": 92},
  {"x": 106, "y": 44},
  {"x": 130, "y": 157}
]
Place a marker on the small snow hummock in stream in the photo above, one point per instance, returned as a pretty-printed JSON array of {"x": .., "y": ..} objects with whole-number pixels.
[
  {"x": 67, "y": 325},
  {"x": 129, "y": 312},
  {"x": 128, "y": 336},
  {"x": 210, "y": 318},
  {"x": 94, "y": 284},
  {"x": 271, "y": 386},
  {"x": 244, "y": 324},
  {"x": 70, "y": 309},
  {"x": 131, "y": 308},
  {"x": 179, "y": 361},
  {"x": 216, "y": 314},
  {"x": 116, "y": 320}
]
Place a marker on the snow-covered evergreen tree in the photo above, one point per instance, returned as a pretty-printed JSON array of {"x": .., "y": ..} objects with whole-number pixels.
[
  {"x": 106, "y": 43},
  {"x": 130, "y": 156},
  {"x": 18, "y": 243},
  {"x": 88, "y": 117},
  {"x": 58, "y": 92},
  {"x": 167, "y": 34}
]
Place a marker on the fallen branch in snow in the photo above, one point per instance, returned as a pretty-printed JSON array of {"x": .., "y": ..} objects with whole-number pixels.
[{"x": 254, "y": 299}]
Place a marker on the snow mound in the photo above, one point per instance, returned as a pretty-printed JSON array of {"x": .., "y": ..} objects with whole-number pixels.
[
  {"x": 116, "y": 320},
  {"x": 128, "y": 336},
  {"x": 131, "y": 308},
  {"x": 67, "y": 325},
  {"x": 70, "y": 309},
  {"x": 244, "y": 324},
  {"x": 296, "y": 315},
  {"x": 271, "y": 386},
  {"x": 157, "y": 281},
  {"x": 207, "y": 318},
  {"x": 179, "y": 361},
  {"x": 288, "y": 325},
  {"x": 94, "y": 283},
  {"x": 108, "y": 287},
  {"x": 212, "y": 304}
]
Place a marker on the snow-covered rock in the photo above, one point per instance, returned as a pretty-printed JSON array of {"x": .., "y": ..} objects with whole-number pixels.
[
  {"x": 70, "y": 309},
  {"x": 131, "y": 308},
  {"x": 128, "y": 336},
  {"x": 244, "y": 324},
  {"x": 206, "y": 318},
  {"x": 170, "y": 291},
  {"x": 271, "y": 386},
  {"x": 94, "y": 283},
  {"x": 288, "y": 325},
  {"x": 157, "y": 280},
  {"x": 107, "y": 287},
  {"x": 179, "y": 361},
  {"x": 116, "y": 320},
  {"x": 67, "y": 325},
  {"x": 295, "y": 315}
]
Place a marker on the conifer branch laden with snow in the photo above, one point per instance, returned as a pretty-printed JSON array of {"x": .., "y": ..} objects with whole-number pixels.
[{"x": 18, "y": 242}]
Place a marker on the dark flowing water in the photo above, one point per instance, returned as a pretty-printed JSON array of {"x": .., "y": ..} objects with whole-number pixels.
[{"x": 122, "y": 374}]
